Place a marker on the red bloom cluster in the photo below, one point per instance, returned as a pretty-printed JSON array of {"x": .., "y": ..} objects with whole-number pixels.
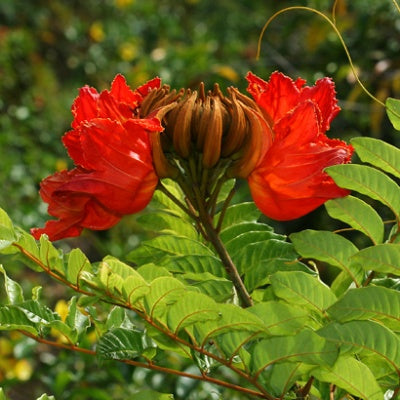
[
  {"x": 114, "y": 173},
  {"x": 290, "y": 181},
  {"x": 280, "y": 136}
]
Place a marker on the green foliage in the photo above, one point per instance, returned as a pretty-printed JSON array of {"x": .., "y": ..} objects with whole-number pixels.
[{"x": 178, "y": 299}]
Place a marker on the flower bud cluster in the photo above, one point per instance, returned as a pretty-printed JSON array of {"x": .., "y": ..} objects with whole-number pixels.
[{"x": 209, "y": 125}]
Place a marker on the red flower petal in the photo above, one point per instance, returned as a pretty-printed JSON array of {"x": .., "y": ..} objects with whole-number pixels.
[
  {"x": 277, "y": 97},
  {"x": 290, "y": 181},
  {"x": 111, "y": 148}
]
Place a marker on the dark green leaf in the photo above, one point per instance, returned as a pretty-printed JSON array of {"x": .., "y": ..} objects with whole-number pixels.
[{"x": 238, "y": 213}]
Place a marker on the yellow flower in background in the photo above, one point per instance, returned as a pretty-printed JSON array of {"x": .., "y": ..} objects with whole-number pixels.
[
  {"x": 123, "y": 3},
  {"x": 22, "y": 370},
  {"x": 96, "y": 31},
  {"x": 61, "y": 309},
  {"x": 227, "y": 72},
  {"x": 127, "y": 51}
]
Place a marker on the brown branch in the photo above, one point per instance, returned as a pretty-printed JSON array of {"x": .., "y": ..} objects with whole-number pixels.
[{"x": 151, "y": 366}]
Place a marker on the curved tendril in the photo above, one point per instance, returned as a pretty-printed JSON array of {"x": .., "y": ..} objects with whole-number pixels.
[
  {"x": 333, "y": 26},
  {"x": 396, "y": 5}
]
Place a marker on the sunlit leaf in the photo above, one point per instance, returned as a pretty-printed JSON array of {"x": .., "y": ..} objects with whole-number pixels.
[
  {"x": 328, "y": 247},
  {"x": 381, "y": 258},
  {"x": 164, "y": 292},
  {"x": 351, "y": 375},
  {"x": 158, "y": 249},
  {"x": 302, "y": 289},
  {"x": 7, "y": 234},
  {"x": 393, "y": 112},
  {"x": 235, "y": 230},
  {"x": 13, "y": 319},
  {"x": 378, "y": 153},
  {"x": 358, "y": 214},
  {"x": 191, "y": 308},
  {"x": 368, "y": 181},
  {"x": 13, "y": 289},
  {"x": 162, "y": 222},
  {"x": 149, "y": 394},
  {"x": 280, "y": 318},
  {"x": 50, "y": 256},
  {"x": 238, "y": 213},
  {"x": 306, "y": 347},
  {"x": 77, "y": 263},
  {"x": 373, "y": 302},
  {"x": 259, "y": 275},
  {"x": 195, "y": 264},
  {"x": 253, "y": 254}
]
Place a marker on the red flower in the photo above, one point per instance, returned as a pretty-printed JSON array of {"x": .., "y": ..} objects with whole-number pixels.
[
  {"x": 114, "y": 173},
  {"x": 290, "y": 181}
]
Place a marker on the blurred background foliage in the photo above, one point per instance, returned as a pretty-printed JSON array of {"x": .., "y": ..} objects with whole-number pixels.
[{"x": 50, "y": 48}]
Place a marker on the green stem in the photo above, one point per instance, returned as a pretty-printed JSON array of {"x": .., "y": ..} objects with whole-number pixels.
[{"x": 224, "y": 256}]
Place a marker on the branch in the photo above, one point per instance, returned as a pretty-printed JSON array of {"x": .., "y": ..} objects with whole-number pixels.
[{"x": 151, "y": 366}]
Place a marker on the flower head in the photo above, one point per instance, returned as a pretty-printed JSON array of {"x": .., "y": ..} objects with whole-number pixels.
[
  {"x": 290, "y": 181},
  {"x": 114, "y": 173}
]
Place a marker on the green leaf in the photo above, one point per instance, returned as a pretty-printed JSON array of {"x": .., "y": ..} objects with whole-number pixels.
[
  {"x": 45, "y": 397},
  {"x": 235, "y": 230},
  {"x": 253, "y": 254},
  {"x": 164, "y": 292},
  {"x": 238, "y": 213},
  {"x": 368, "y": 181},
  {"x": 7, "y": 234},
  {"x": 162, "y": 222},
  {"x": 161, "y": 247},
  {"x": 365, "y": 337},
  {"x": 259, "y": 275},
  {"x": 195, "y": 264},
  {"x": 190, "y": 309},
  {"x": 302, "y": 289},
  {"x": 352, "y": 376},
  {"x": 359, "y": 215},
  {"x": 231, "y": 318},
  {"x": 50, "y": 256},
  {"x": 77, "y": 263},
  {"x": 393, "y": 112},
  {"x": 120, "y": 344},
  {"x": 13, "y": 289},
  {"x": 373, "y": 302},
  {"x": 328, "y": 247},
  {"x": 13, "y": 318},
  {"x": 219, "y": 289},
  {"x": 378, "y": 153},
  {"x": 76, "y": 320},
  {"x": 381, "y": 258},
  {"x": 306, "y": 347},
  {"x": 30, "y": 249},
  {"x": 280, "y": 318},
  {"x": 149, "y": 394}
]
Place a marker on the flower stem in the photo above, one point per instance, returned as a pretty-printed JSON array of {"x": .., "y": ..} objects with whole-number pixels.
[{"x": 230, "y": 267}]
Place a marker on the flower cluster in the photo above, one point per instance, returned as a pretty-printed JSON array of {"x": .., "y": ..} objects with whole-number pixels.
[{"x": 124, "y": 141}]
